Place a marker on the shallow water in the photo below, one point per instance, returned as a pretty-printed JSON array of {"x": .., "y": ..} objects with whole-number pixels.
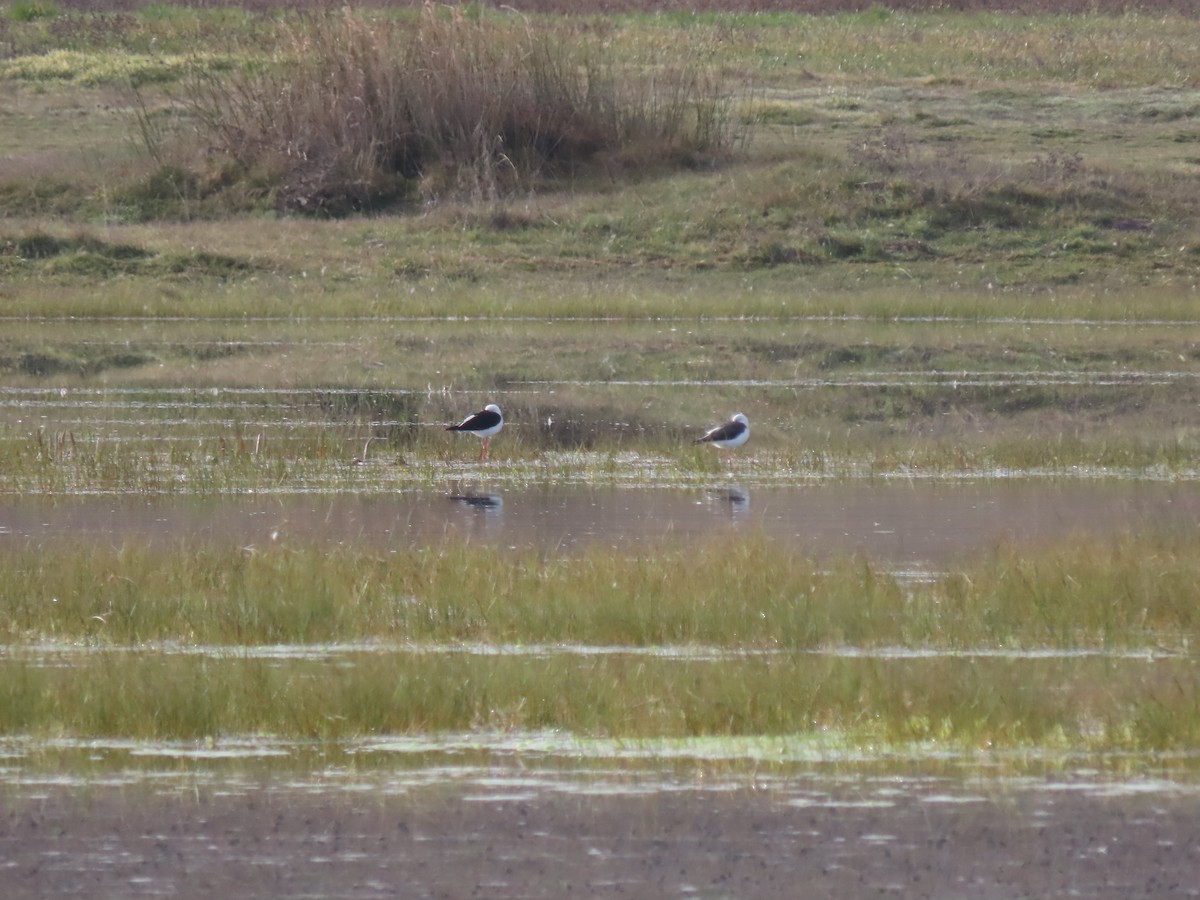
[
  {"x": 563, "y": 763},
  {"x": 190, "y": 382},
  {"x": 912, "y": 526},
  {"x": 68, "y": 653},
  {"x": 478, "y": 831}
]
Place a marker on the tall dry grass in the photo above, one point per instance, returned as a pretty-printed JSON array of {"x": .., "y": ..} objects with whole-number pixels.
[{"x": 353, "y": 113}]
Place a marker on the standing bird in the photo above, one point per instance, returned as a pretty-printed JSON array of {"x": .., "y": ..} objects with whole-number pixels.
[
  {"x": 484, "y": 424},
  {"x": 732, "y": 434}
]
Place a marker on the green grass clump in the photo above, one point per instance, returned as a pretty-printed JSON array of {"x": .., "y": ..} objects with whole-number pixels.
[
  {"x": 85, "y": 256},
  {"x": 31, "y": 10},
  {"x": 91, "y": 68}
]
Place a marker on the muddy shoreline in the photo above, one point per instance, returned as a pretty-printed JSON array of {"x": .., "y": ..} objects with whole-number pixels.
[{"x": 810, "y": 839}]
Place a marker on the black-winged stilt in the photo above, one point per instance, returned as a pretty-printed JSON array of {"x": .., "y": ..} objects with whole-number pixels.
[
  {"x": 732, "y": 434},
  {"x": 483, "y": 424}
]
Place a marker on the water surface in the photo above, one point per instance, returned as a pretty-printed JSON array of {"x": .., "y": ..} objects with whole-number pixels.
[{"x": 917, "y": 524}]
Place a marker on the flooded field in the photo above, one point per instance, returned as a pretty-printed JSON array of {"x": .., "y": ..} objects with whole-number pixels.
[
  {"x": 268, "y": 630},
  {"x": 917, "y": 446}
]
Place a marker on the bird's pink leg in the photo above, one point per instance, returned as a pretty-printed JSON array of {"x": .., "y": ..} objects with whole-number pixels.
[{"x": 483, "y": 454}]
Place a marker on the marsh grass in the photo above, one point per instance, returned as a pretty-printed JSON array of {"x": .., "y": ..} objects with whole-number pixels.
[
  {"x": 1082, "y": 646},
  {"x": 1087, "y": 705},
  {"x": 1112, "y": 594},
  {"x": 452, "y": 592},
  {"x": 388, "y": 456},
  {"x": 1128, "y": 593}
]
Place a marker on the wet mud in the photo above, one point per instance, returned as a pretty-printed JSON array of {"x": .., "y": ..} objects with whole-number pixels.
[{"x": 806, "y": 840}]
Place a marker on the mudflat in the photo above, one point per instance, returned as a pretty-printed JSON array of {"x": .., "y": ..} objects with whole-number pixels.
[{"x": 869, "y": 838}]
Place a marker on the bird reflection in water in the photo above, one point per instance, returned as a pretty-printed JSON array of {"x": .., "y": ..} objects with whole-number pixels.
[
  {"x": 734, "y": 498},
  {"x": 739, "y": 499},
  {"x": 481, "y": 514},
  {"x": 487, "y": 502}
]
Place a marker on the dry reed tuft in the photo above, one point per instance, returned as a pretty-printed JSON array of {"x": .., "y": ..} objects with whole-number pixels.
[{"x": 354, "y": 113}]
